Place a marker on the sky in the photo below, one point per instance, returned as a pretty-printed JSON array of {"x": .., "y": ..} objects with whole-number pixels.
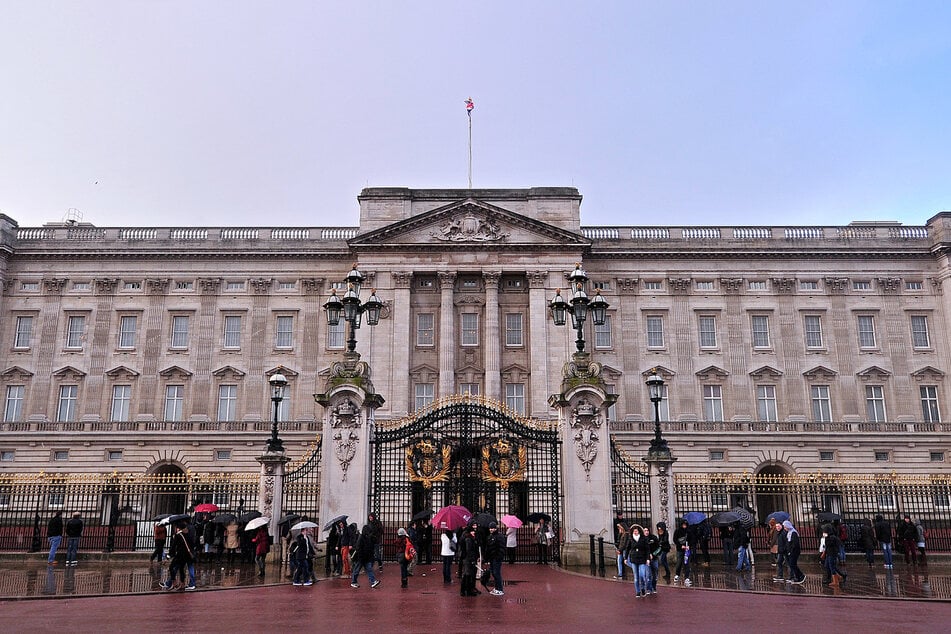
[{"x": 261, "y": 113}]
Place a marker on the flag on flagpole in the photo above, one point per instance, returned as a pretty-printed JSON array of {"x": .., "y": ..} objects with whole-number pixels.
[{"x": 469, "y": 106}]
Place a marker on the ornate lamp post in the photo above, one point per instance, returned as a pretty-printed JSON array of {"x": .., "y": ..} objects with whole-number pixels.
[
  {"x": 278, "y": 385},
  {"x": 351, "y": 309},
  {"x": 655, "y": 386},
  {"x": 579, "y": 306}
]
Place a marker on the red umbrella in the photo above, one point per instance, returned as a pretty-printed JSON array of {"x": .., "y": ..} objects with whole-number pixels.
[
  {"x": 451, "y": 517},
  {"x": 206, "y": 508},
  {"x": 511, "y": 521}
]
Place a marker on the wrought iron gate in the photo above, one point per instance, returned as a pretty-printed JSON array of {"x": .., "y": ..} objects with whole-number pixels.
[
  {"x": 466, "y": 451},
  {"x": 301, "y": 494},
  {"x": 630, "y": 488}
]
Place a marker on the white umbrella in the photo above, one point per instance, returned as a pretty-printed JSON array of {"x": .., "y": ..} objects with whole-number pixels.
[
  {"x": 302, "y": 525},
  {"x": 256, "y": 522}
]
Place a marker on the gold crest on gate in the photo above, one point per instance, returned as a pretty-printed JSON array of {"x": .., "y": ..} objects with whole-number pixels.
[
  {"x": 428, "y": 462},
  {"x": 503, "y": 462}
]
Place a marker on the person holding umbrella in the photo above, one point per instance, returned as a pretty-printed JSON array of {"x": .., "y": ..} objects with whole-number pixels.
[
  {"x": 470, "y": 557},
  {"x": 449, "y": 545},
  {"x": 160, "y": 535},
  {"x": 262, "y": 545},
  {"x": 364, "y": 557},
  {"x": 180, "y": 552},
  {"x": 543, "y": 536},
  {"x": 301, "y": 554},
  {"x": 425, "y": 541},
  {"x": 682, "y": 543}
]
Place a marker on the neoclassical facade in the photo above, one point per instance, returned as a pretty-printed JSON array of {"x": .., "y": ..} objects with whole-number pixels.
[{"x": 784, "y": 349}]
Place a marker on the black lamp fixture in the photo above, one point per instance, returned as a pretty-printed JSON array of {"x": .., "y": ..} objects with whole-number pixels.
[
  {"x": 278, "y": 385},
  {"x": 579, "y": 306},
  {"x": 351, "y": 309},
  {"x": 655, "y": 387}
]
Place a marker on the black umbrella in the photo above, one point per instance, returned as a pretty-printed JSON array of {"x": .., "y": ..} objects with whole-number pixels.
[
  {"x": 829, "y": 517},
  {"x": 744, "y": 517},
  {"x": 171, "y": 519},
  {"x": 484, "y": 519},
  {"x": 423, "y": 515},
  {"x": 535, "y": 517},
  {"x": 290, "y": 517},
  {"x": 225, "y": 518},
  {"x": 159, "y": 518},
  {"x": 339, "y": 518},
  {"x": 250, "y": 515},
  {"x": 725, "y": 518}
]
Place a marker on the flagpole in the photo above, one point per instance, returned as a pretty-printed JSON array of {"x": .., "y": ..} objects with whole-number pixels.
[{"x": 470, "y": 149}]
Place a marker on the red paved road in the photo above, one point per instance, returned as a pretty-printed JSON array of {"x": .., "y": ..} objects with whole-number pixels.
[{"x": 539, "y": 600}]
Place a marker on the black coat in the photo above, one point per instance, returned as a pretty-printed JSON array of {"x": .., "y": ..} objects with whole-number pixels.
[
  {"x": 55, "y": 526},
  {"x": 638, "y": 550},
  {"x": 793, "y": 547},
  {"x": 74, "y": 527},
  {"x": 883, "y": 531}
]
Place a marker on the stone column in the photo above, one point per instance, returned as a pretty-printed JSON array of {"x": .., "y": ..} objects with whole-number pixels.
[
  {"x": 270, "y": 493},
  {"x": 538, "y": 341},
  {"x": 404, "y": 339},
  {"x": 447, "y": 339},
  {"x": 493, "y": 337}
]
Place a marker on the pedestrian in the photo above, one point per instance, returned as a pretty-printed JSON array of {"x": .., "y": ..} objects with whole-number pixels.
[
  {"x": 333, "y": 550},
  {"x": 405, "y": 552},
  {"x": 209, "y": 535},
  {"x": 867, "y": 541},
  {"x": 741, "y": 539},
  {"x": 448, "y": 549},
  {"x": 511, "y": 543},
  {"x": 74, "y": 532},
  {"x": 351, "y": 535},
  {"x": 412, "y": 534},
  {"x": 883, "y": 533},
  {"x": 494, "y": 548},
  {"x": 232, "y": 541},
  {"x": 793, "y": 550},
  {"x": 300, "y": 553},
  {"x": 376, "y": 527},
  {"x": 543, "y": 535},
  {"x": 181, "y": 555},
  {"x": 682, "y": 544},
  {"x": 830, "y": 556},
  {"x": 638, "y": 556},
  {"x": 921, "y": 542},
  {"x": 262, "y": 544},
  {"x": 159, "y": 534},
  {"x": 771, "y": 537},
  {"x": 726, "y": 538},
  {"x": 54, "y": 533},
  {"x": 703, "y": 540},
  {"x": 908, "y": 538},
  {"x": 344, "y": 545},
  {"x": 664, "y": 537},
  {"x": 365, "y": 555},
  {"x": 782, "y": 551},
  {"x": 843, "y": 537},
  {"x": 653, "y": 562},
  {"x": 622, "y": 541},
  {"x": 425, "y": 546},
  {"x": 470, "y": 562}
]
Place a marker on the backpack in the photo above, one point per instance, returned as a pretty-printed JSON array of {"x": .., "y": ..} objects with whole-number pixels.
[{"x": 410, "y": 551}]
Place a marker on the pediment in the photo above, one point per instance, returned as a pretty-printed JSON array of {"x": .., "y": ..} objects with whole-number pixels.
[
  {"x": 665, "y": 373},
  {"x": 121, "y": 372},
  {"x": 174, "y": 371},
  {"x": 515, "y": 373},
  {"x": 611, "y": 373},
  {"x": 70, "y": 373},
  {"x": 928, "y": 373},
  {"x": 766, "y": 372},
  {"x": 466, "y": 224},
  {"x": 281, "y": 369},
  {"x": 820, "y": 372},
  {"x": 712, "y": 372},
  {"x": 874, "y": 373},
  {"x": 424, "y": 373},
  {"x": 16, "y": 373},
  {"x": 228, "y": 371}
]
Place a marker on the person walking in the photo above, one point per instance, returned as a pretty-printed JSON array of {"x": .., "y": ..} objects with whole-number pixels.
[
  {"x": 883, "y": 533},
  {"x": 511, "y": 543},
  {"x": 333, "y": 550},
  {"x": 867, "y": 541},
  {"x": 448, "y": 548},
  {"x": 470, "y": 557},
  {"x": 425, "y": 547},
  {"x": 160, "y": 535},
  {"x": 908, "y": 537},
  {"x": 664, "y": 537},
  {"x": 621, "y": 544},
  {"x": 54, "y": 534},
  {"x": 921, "y": 542},
  {"x": 782, "y": 551},
  {"x": 653, "y": 562},
  {"x": 726, "y": 539},
  {"x": 638, "y": 554},
  {"x": 405, "y": 552},
  {"x": 182, "y": 558},
  {"x": 494, "y": 548},
  {"x": 262, "y": 545},
  {"x": 741, "y": 539},
  {"x": 830, "y": 556},
  {"x": 301, "y": 554},
  {"x": 364, "y": 557},
  {"x": 793, "y": 550},
  {"x": 74, "y": 532},
  {"x": 682, "y": 544},
  {"x": 376, "y": 531},
  {"x": 542, "y": 539},
  {"x": 232, "y": 542},
  {"x": 347, "y": 538}
]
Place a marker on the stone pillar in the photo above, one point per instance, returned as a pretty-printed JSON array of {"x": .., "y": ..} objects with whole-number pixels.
[
  {"x": 270, "y": 492},
  {"x": 493, "y": 337},
  {"x": 538, "y": 342},
  {"x": 404, "y": 340},
  {"x": 663, "y": 502},
  {"x": 447, "y": 340}
]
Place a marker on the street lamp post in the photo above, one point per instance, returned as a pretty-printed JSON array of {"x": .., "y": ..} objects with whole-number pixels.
[
  {"x": 655, "y": 386},
  {"x": 578, "y": 307},
  {"x": 351, "y": 309},
  {"x": 278, "y": 385}
]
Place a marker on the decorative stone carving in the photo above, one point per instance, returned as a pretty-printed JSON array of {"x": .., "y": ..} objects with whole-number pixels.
[
  {"x": 537, "y": 279},
  {"x": 312, "y": 285},
  {"x": 491, "y": 278},
  {"x": 936, "y": 285},
  {"x": 731, "y": 284},
  {"x": 586, "y": 421},
  {"x": 106, "y": 285},
  {"x": 889, "y": 284},
  {"x": 469, "y": 228},
  {"x": 345, "y": 419},
  {"x": 446, "y": 280},
  {"x": 837, "y": 285},
  {"x": 209, "y": 285},
  {"x": 157, "y": 286},
  {"x": 54, "y": 285},
  {"x": 784, "y": 285},
  {"x": 261, "y": 285},
  {"x": 402, "y": 279},
  {"x": 628, "y": 284},
  {"x": 680, "y": 285}
]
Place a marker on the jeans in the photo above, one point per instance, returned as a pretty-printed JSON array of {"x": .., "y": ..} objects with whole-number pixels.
[
  {"x": 728, "y": 551},
  {"x": 191, "y": 573},
  {"x": 302, "y": 572},
  {"x": 663, "y": 561},
  {"x": 683, "y": 562},
  {"x": 741, "y": 558},
  {"x": 159, "y": 551},
  {"x": 72, "y": 546},
  {"x": 780, "y": 565},
  {"x": 368, "y": 566},
  {"x": 641, "y": 578},
  {"x": 54, "y": 545},
  {"x": 447, "y": 568},
  {"x": 496, "y": 568},
  {"x": 620, "y": 566},
  {"x": 887, "y": 552},
  {"x": 404, "y": 569},
  {"x": 654, "y": 568}
]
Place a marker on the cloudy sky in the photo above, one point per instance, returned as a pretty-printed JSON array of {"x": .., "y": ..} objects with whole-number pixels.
[{"x": 254, "y": 113}]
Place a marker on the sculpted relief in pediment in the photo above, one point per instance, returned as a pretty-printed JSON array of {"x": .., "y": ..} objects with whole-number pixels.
[{"x": 469, "y": 228}]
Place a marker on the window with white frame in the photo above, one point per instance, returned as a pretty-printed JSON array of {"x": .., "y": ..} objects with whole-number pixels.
[
  {"x": 705, "y": 285},
  {"x": 174, "y": 402},
  {"x": 425, "y": 394},
  {"x": 766, "y": 403},
  {"x": 875, "y": 403},
  {"x": 821, "y": 403},
  {"x": 227, "y": 403},
  {"x": 913, "y": 285},
  {"x": 757, "y": 285},
  {"x": 602, "y": 334},
  {"x": 114, "y": 454},
  {"x": 919, "y": 332},
  {"x": 184, "y": 286},
  {"x": 286, "y": 286},
  {"x": 663, "y": 407},
  {"x": 712, "y": 403},
  {"x": 284, "y": 407},
  {"x": 81, "y": 286},
  {"x": 232, "y": 332},
  {"x": 13, "y": 404},
  {"x": 24, "y": 334},
  {"x": 132, "y": 286},
  {"x": 708, "y": 331},
  {"x": 60, "y": 454},
  {"x": 929, "y": 403},
  {"x": 515, "y": 397},
  {"x": 66, "y": 408},
  {"x": 425, "y": 330},
  {"x": 128, "y": 325},
  {"x": 866, "y": 326},
  {"x": 812, "y": 328},
  {"x": 760, "y": 330},
  {"x": 655, "y": 331},
  {"x": 513, "y": 330},
  {"x": 471, "y": 389},
  {"x": 75, "y": 331},
  {"x": 861, "y": 285},
  {"x": 716, "y": 455},
  {"x": 470, "y": 329},
  {"x": 121, "y": 397},
  {"x": 336, "y": 334},
  {"x": 234, "y": 286},
  {"x": 653, "y": 286},
  {"x": 180, "y": 325},
  {"x": 941, "y": 500},
  {"x": 284, "y": 332},
  {"x": 808, "y": 285}
]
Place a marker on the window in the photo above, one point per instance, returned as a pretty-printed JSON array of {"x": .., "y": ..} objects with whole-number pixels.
[
  {"x": 861, "y": 285},
  {"x": 812, "y": 327},
  {"x": 716, "y": 455},
  {"x": 885, "y": 500},
  {"x": 929, "y": 403},
  {"x": 425, "y": 394},
  {"x": 881, "y": 456},
  {"x": 184, "y": 286},
  {"x": 232, "y": 335},
  {"x": 515, "y": 397},
  {"x": 132, "y": 286},
  {"x": 336, "y": 334},
  {"x": 602, "y": 334},
  {"x": 866, "y": 324},
  {"x": 512, "y": 283},
  {"x": 426, "y": 282},
  {"x": 766, "y": 403},
  {"x": 655, "y": 331},
  {"x": 339, "y": 286},
  {"x": 821, "y": 405},
  {"x": 127, "y": 328},
  {"x": 708, "y": 331},
  {"x": 60, "y": 454},
  {"x": 913, "y": 286},
  {"x": 611, "y": 413},
  {"x": 284, "y": 332},
  {"x": 174, "y": 402},
  {"x": 712, "y": 403},
  {"x": 808, "y": 285},
  {"x": 30, "y": 286},
  {"x": 664, "y": 405},
  {"x": 760, "y": 331},
  {"x": 66, "y": 410},
  {"x": 114, "y": 454},
  {"x": 286, "y": 286},
  {"x": 425, "y": 329},
  {"x": 470, "y": 329},
  {"x": 234, "y": 286},
  {"x": 653, "y": 286},
  {"x": 757, "y": 285},
  {"x": 222, "y": 454},
  {"x": 469, "y": 388},
  {"x": 936, "y": 456},
  {"x": 826, "y": 455},
  {"x": 469, "y": 283},
  {"x": 284, "y": 407},
  {"x": 13, "y": 405},
  {"x": 7, "y": 455},
  {"x": 705, "y": 286},
  {"x": 75, "y": 331},
  {"x": 121, "y": 395},
  {"x": 57, "y": 496},
  {"x": 227, "y": 402},
  {"x": 601, "y": 286},
  {"x": 919, "y": 332},
  {"x": 80, "y": 286},
  {"x": 24, "y": 334},
  {"x": 875, "y": 403},
  {"x": 180, "y": 331},
  {"x": 513, "y": 329}
]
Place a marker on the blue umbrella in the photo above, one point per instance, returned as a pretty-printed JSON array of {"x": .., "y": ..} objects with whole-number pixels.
[
  {"x": 779, "y": 516},
  {"x": 694, "y": 517}
]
